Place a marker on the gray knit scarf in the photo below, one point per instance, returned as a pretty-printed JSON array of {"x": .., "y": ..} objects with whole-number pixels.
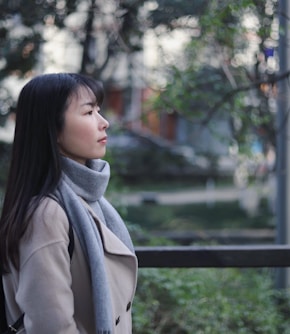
[{"x": 90, "y": 183}]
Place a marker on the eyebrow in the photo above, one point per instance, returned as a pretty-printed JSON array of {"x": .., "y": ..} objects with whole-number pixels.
[{"x": 92, "y": 104}]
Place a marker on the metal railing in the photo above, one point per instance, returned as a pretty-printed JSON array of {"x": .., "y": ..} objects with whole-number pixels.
[{"x": 214, "y": 256}]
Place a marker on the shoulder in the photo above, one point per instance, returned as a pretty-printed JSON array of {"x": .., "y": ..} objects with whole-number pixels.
[
  {"x": 48, "y": 226},
  {"x": 49, "y": 210}
]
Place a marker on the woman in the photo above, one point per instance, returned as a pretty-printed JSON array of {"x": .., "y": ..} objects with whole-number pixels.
[{"x": 57, "y": 179}]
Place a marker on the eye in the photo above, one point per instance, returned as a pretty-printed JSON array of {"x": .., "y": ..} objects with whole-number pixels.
[{"x": 90, "y": 112}]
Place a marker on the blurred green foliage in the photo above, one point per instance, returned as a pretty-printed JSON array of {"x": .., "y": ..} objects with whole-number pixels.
[
  {"x": 209, "y": 301},
  {"x": 216, "y": 77},
  {"x": 202, "y": 216}
]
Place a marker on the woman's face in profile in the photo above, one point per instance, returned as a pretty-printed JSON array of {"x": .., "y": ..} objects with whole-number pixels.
[{"x": 84, "y": 135}]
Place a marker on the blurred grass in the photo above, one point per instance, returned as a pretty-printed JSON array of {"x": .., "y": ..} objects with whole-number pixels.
[{"x": 152, "y": 217}]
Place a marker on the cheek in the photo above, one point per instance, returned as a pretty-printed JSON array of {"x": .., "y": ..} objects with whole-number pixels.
[
  {"x": 81, "y": 130},
  {"x": 74, "y": 135}
]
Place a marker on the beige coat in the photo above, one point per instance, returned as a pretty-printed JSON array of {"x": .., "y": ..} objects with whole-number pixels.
[{"x": 55, "y": 294}]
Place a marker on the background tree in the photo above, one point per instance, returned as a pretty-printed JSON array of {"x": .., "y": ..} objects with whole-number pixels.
[
  {"x": 21, "y": 28},
  {"x": 225, "y": 68},
  {"x": 23, "y": 24},
  {"x": 204, "y": 81}
]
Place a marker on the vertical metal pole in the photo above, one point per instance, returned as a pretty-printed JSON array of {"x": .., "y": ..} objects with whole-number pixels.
[{"x": 283, "y": 144}]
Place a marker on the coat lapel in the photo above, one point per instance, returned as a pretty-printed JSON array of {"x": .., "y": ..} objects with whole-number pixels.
[{"x": 111, "y": 243}]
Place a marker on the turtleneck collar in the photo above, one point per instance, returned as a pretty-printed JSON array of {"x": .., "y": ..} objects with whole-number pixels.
[{"x": 88, "y": 181}]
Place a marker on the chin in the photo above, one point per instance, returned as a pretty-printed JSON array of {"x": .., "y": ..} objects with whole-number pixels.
[{"x": 99, "y": 156}]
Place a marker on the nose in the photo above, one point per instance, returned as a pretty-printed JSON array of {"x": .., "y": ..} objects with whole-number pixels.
[{"x": 104, "y": 124}]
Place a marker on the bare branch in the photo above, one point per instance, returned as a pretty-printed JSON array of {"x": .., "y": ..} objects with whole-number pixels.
[{"x": 229, "y": 95}]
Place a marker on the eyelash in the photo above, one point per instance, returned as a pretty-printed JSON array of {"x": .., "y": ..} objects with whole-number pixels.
[{"x": 90, "y": 112}]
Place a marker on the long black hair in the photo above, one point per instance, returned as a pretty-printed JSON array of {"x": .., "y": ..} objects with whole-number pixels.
[{"x": 35, "y": 167}]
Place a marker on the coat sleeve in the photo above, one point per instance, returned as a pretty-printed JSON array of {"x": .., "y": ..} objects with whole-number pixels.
[{"x": 44, "y": 292}]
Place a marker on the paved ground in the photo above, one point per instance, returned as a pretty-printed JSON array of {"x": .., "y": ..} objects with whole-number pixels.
[{"x": 248, "y": 196}]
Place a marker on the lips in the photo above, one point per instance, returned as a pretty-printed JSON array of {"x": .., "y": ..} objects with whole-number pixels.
[{"x": 103, "y": 140}]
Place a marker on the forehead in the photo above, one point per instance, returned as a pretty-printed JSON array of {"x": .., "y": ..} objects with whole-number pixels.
[{"x": 82, "y": 94}]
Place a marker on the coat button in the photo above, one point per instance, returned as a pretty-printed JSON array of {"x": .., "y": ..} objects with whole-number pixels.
[
  {"x": 128, "y": 306},
  {"x": 117, "y": 320}
]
